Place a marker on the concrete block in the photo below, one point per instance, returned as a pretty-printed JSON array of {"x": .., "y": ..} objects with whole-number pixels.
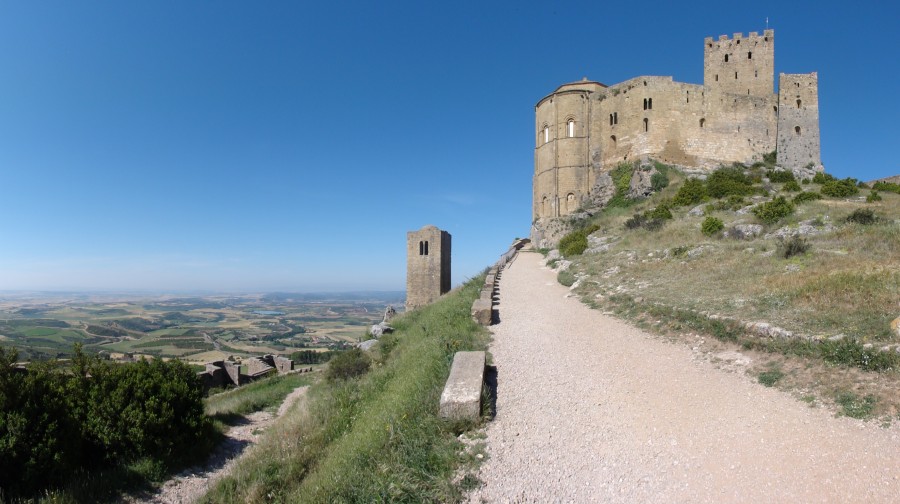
[
  {"x": 461, "y": 399},
  {"x": 481, "y": 311}
]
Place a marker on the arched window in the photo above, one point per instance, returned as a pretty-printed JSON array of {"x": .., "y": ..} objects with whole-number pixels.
[
  {"x": 612, "y": 140},
  {"x": 797, "y": 130},
  {"x": 615, "y": 118},
  {"x": 702, "y": 122},
  {"x": 546, "y": 134},
  {"x": 649, "y": 103},
  {"x": 570, "y": 202},
  {"x": 749, "y": 55},
  {"x": 646, "y": 125},
  {"x": 570, "y": 128},
  {"x": 544, "y": 206},
  {"x": 423, "y": 248},
  {"x": 645, "y": 104},
  {"x": 610, "y": 120},
  {"x": 798, "y": 103}
]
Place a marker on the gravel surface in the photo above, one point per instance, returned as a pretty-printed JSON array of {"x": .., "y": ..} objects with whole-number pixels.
[
  {"x": 191, "y": 484},
  {"x": 590, "y": 409}
]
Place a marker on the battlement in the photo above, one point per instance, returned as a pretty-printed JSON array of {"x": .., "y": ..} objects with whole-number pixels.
[{"x": 738, "y": 37}]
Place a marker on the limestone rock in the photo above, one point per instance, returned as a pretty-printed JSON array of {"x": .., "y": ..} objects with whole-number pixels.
[
  {"x": 379, "y": 330},
  {"x": 367, "y": 345},
  {"x": 389, "y": 313},
  {"x": 603, "y": 191},
  {"x": 641, "y": 185},
  {"x": 744, "y": 231},
  {"x": 698, "y": 210}
]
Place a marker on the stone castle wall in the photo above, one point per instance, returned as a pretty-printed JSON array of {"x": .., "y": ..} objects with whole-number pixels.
[
  {"x": 585, "y": 128},
  {"x": 798, "y": 120},
  {"x": 427, "y": 266}
]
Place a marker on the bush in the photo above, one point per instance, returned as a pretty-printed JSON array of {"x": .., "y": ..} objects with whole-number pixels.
[
  {"x": 887, "y": 187},
  {"x": 659, "y": 181},
  {"x": 807, "y": 196},
  {"x": 660, "y": 212},
  {"x": 711, "y": 226},
  {"x": 862, "y": 216},
  {"x": 770, "y": 158},
  {"x": 566, "y": 278},
  {"x": 728, "y": 181},
  {"x": 839, "y": 188},
  {"x": 573, "y": 243},
  {"x": 873, "y": 197},
  {"x": 773, "y": 211},
  {"x": 790, "y": 247},
  {"x": 347, "y": 364},
  {"x": 780, "y": 177},
  {"x": 635, "y": 222},
  {"x": 621, "y": 176},
  {"x": 791, "y": 186},
  {"x": 692, "y": 192},
  {"x": 822, "y": 177}
]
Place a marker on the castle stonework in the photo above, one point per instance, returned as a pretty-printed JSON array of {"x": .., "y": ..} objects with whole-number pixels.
[
  {"x": 427, "y": 266},
  {"x": 586, "y": 128}
]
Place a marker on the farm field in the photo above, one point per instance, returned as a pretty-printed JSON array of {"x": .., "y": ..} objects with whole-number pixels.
[{"x": 196, "y": 329}]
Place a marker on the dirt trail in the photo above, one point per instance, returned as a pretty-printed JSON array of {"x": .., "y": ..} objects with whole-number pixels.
[
  {"x": 191, "y": 484},
  {"x": 590, "y": 409}
]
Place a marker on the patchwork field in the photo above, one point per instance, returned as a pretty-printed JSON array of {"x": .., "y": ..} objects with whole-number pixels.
[{"x": 195, "y": 329}]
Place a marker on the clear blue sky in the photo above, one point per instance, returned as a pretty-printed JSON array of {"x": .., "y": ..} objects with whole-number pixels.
[{"x": 251, "y": 146}]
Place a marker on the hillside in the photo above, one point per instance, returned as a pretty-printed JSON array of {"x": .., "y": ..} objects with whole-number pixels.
[{"x": 807, "y": 272}]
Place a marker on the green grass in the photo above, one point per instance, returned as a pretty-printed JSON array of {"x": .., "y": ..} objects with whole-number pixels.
[
  {"x": 854, "y": 406},
  {"x": 376, "y": 438},
  {"x": 260, "y": 395}
]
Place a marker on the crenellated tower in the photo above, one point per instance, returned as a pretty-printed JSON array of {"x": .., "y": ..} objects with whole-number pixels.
[{"x": 740, "y": 65}]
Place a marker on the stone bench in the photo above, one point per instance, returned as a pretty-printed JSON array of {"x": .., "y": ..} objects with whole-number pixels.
[{"x": 461, "y": 399}]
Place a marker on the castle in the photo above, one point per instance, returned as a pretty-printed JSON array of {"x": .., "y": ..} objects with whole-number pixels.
[{"x": 585, "y": 128}]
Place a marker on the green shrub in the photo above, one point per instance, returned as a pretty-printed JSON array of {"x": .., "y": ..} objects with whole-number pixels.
[
  {"x": 728, "y": 181},
  {"x": 848, "y": 352},
  {"x": 711, "y": 226},
  {"x": 863, "y": 216},
  {"x": 822, "y": 177},
  {"x": 659, "y": 181},
  {"x": 348, "y": 364},
  {"x": 573, "y": 243},
  {"x": 770, "y": 158},
  {"x": 621, "y": 176},
  {"x": 873, "y": 197},
  {"x": 839, "y": 188},
  {"x": 660, "y": 212},
  {"x": 566, "y": 278},
  {"x": 635, "y": 222},
  {"x": 733, "y": 202},
  {"x": 790, "y": 247},
  {"x": 854, "y": 406},
  {"x": 773, "y": 211},
  {"x": 887, "y": 187},
  {"x": 806, "y": 196},
  {"x": 692, "y": 192},
  {"x": 780, "y": 177},
  {"x": 791, "y": 186}
]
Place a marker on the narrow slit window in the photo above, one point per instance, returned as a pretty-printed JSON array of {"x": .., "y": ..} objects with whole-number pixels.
[
  {"x": 426, "y": 247},
  {"x": 750, "y": 55},
  {"x": 735, "y": 75},
  {"x": 726, "y": 58},
  {"x": 798, "y": 103},
  {"x": 610, "y": 119},
  {"x": 702, "y": 122},
  {"x": 616, "y": 117},
  {"x": 645, "y": 104},
  {"x": 546, "y": 134},
  {"x": 797, "y": 130},
  {"x": 649, "y": 103},
  {"x": 717, "y": 77},
  {"x": 612, "y": 141},
  {"x": 570, "y": 128},
  {"x": 647, "y": 125}
]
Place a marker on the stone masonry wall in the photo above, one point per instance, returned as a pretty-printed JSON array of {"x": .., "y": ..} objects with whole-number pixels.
[
  {"x": 427, "y": 266},
  {"x": 798, "y": 120}
]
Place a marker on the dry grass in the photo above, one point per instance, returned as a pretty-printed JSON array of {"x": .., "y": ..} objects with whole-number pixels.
[{"x": 847, "y": 283}]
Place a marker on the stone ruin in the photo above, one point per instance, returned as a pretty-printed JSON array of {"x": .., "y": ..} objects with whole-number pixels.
[{"x": 227, "y": 373}]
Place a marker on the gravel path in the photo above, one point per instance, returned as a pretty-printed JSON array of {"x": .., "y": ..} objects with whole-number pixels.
[
  {"x": 191, "y": 484},
  {"x": 590, "y": 409}
]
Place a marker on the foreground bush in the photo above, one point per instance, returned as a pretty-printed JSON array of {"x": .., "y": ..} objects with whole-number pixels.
[
  {"x": 863, "y": 216},
  {"x": 99, "y": 415},
  {"x": 840, "y": 188},
  {"x": 348, "y": 364},
  {"x": 728, "y": 181},
  {"x": 790, "y": 247}
]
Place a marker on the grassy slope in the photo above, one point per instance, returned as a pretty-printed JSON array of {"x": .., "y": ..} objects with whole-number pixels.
[
  {"x": 847, "y": 283},
  {"x": 376, "y": 438},
  {"x": 268, "y": 393}
]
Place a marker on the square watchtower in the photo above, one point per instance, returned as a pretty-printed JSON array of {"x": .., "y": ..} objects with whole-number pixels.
[{"x": 427, "y": 266}]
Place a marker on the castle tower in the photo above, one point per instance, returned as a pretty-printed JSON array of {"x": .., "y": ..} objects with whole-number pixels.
[
  {"x": 562, "y": 170},
  {"x": 740, "y": 65},
  {"x": 798, "y": 120},
  {"x": 427, "y": 266}
]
